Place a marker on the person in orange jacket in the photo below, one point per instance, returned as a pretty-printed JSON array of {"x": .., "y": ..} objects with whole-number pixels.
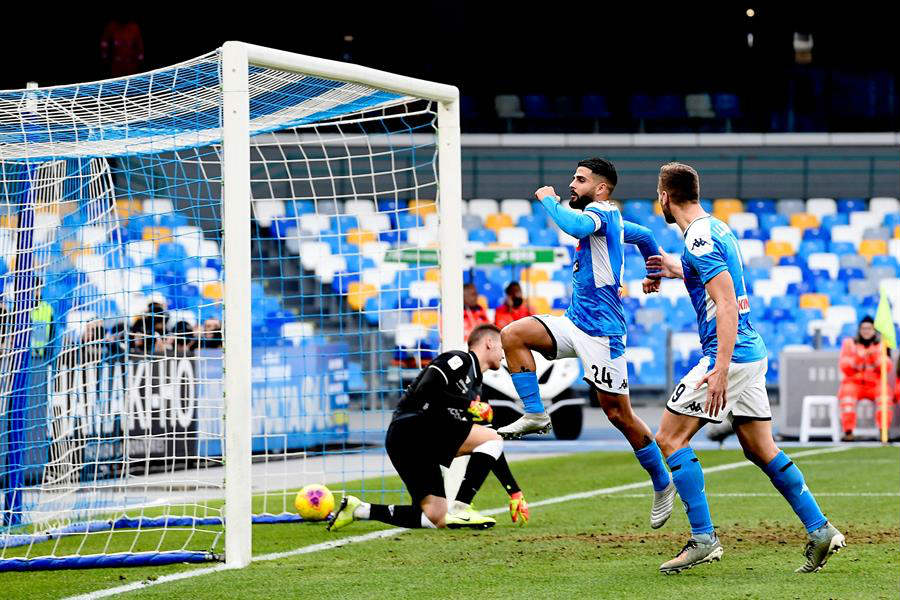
[
  {"x": 513, "y": 308},
  {"x": 860, "y": 364},
  {"x": 473, "y": 313}
]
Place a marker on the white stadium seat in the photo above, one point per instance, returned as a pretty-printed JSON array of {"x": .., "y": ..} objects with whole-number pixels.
[
  {"x": 483, "y": 207},
  {"x": 673, "y": 289},
  {"x": 313, "y": 252},
  {"x": 158, "y": 206},
  {"x": 424, "y": 291},
  {"x": 786, "y": 233},
  {"x": 314, "y": 223},
  {"x": 377, "y": 222},
  {"x": 865, "y": 220},
  {"x": 821, "y": 207},
  {"x": 751, "y": 249},
  {"x": 825, "y": 260},
  {"x": 840, "y": 314},
  {"x": 266, "y": 211},
  {"x": 769, "y": 288},
  {"x": 329, "y": 266},
  {"x": 638, "y": 355},
  {"x": 515, "y": 236},
  {"x": 684, "y": 343},
  {"x": 515, "y": 208},
  {"x": 847, "y": 233},
  {"x": 741, "y": 222},
  {"x": 786, "y": 274},
  {"x": 359, "y": 207},
  {"x": 551, "y": 290},
  {"x": 884, "y": 205}
]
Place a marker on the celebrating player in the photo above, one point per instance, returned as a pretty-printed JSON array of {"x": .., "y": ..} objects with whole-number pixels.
[
  {"x": 435, "y": 422},
  {"x": 729, "y": 381},
  {"x": 593, "y": 328}
]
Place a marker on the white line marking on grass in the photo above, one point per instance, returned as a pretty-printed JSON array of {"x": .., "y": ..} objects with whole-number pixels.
[
  {"x": 399, "y": 530},
  {"x": 765, "y": 495}
]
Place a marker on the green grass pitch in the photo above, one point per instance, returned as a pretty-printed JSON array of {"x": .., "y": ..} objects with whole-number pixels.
[{"x": 599, "y": 547}]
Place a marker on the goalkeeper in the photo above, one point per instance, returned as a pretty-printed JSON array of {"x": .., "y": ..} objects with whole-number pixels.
[{"x": 436, "y": 420}]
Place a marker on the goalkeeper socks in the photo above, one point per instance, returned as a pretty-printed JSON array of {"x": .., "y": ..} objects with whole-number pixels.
[
  {"x": 526, "y": 384},
  {"x": 480, "y": 462},
  {"x": 401, "y": 515},
  {"x": 505, "y": 476},
  {"x": 651, "y": 459},
  {"x": 788, "y": 479},
  {"x": 688, "y": 477}
]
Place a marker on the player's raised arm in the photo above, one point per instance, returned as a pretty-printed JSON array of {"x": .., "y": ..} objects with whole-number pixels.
[{"x": 575, "y": 223}]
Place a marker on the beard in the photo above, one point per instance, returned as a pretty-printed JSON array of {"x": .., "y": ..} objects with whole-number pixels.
[
  {"x": 667, "y": 215},
  {"x": 579, "y": 202}
]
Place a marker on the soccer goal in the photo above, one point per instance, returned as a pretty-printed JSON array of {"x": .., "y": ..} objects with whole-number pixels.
[{"x": 214, "y": 278}]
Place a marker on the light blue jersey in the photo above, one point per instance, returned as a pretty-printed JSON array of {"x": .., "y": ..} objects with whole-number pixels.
[{"x": 710, "y": 248}]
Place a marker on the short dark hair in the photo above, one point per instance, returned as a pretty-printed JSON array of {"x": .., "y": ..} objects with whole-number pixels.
[
  {"x": 511, "y": 286},
  {"x": 482, "y": 331},
  {"x": 602, "y": 167},
  {"x": 680, "y": 181}
]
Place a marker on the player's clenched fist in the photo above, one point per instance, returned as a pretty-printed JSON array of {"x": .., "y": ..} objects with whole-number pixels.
[
  {"x": 545, "y": 191},
  {"x": 482, "y": 412}
]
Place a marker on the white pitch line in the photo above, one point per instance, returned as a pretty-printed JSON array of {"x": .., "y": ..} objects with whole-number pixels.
[
  {"x": 399, "y": 530},
  {"x": 765, "y": 495}
]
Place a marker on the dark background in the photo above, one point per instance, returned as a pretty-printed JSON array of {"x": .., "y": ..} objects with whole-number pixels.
[{"x": 557, "y": 50}]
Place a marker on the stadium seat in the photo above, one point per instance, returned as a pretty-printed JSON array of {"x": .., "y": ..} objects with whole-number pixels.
[
  {"x": 862, "y": 288},
  {"x": 848, "y": 205},
  {"x": 847, "y": 233},
  {"x": 426, "y": 318},
  {"x": 804, "y": 221},
  {"x": 769, "y": 220},
  {"x": 839, "y": 315},
  {"x": 483, "y": 207},
  {"x": 884, "y": 205},
  {"x": 358, "y": 293},
  {"x": 638, "y": 356},
  {"x": 374, "y": 222},
  {"x": 515, "y": 208},
  {"x": 751, "y": 248},
  {"x": 422, "y": 237},
  {"x": 516, "y": 237},
  {"x": 769, "y": 288},
  {"x": 498, "y": 221},
  {"x": 157, "y": 235},
  {"x": 759, "y": 206},
  {"x": 266, "y": 211},
  {"x": 777, "y": 249},
  {"x": 213, "y": 290},
  {"x": 422, "y": 208},
  {"x": 543, "y": 237},
  {"x": 871, "y": 248},
  {"x": 789, "y": 206},
  {"x": 865, "y": 220},
  {"x": 470, "y": 222},
  {"x": 539, "y": 305},
  {"x": 841, "y": 248},
  {"x": 533, "y": 275},
  {"x": 824, "y": 260},
  {"x": 848, "y": 273},
  {"x": 551, "y": 290},
  {"x": 723, "y": 208},
  {"x": 819, "y": 207},
  {"x": 817, "y": 234},
  {"x": 482, "y": 235},
  {"x": 786, "y": 275},
  {"x": 788, "y": 234},
  {"x": 742, "y": 221},
  {"x": 358, "y": 237},
  {"x": 359, "y": 207},
  {"x": 649, "y": 318},
  {"x": 819, "y": 301}
]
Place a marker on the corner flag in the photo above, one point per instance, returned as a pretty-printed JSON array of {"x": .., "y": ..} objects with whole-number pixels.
[{"x": 884, "y": 322}]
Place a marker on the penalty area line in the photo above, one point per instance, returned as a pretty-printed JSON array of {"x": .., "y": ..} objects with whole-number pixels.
[{"x": 399, "y": 530}]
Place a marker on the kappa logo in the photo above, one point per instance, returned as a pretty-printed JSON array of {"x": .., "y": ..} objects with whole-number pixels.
[
  {"x": 624, "y": 385},
  {"x": 698, "y": 243},
  {"x": 694, "y": 407}
]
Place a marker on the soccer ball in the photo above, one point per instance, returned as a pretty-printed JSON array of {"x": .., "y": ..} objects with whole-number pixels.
[{"x": 314, "y": 502}]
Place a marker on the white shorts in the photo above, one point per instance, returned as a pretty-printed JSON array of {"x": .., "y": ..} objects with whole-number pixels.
[
  {"x": 745, "y": 397},
  {"x": 600, "y": 371}
]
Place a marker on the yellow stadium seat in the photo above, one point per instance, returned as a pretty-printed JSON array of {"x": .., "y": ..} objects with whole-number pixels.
[
  {"x": 804, "y": 221},
  {"x": 725, "y": 207},
  {"x": 558, "y": 312},
  {"x": 358, "y": 293},
  {"x": 358, "y": 237},
  {"x": 498, "y": 221},
  {"x": 819, "y": 301},
  {"x": 500, "y": 245},
  {"x": 433, "y": 275},
  {"x": 657, "y": 208},
  {"x": 897, "y": 232},
  {"x": 483, "y": 301},
  {"x": 870, "y": 248},
  {"x": 426, "y": 318},
  {"x": 213, "y": 290},
  {"x": 9, "y": 221},
  {"x": 422, "y": 208},
  {"x": 778, "y": 249},
  {"x": 539, "y": 305},
  {"x": 534, "y": 275},
  {"x": 159, "y": 235},
  {"x": 126, "y": 208}
]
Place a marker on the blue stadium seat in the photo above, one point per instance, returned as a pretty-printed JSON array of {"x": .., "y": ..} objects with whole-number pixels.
[
  {"x": 885, "y": 260},
  {"x": 560, "y": 303},
  {"x": 829, "y": 221},
  {"x": 594, "y": 106},
  {"x": 817, "y": 233},
  {"x": 543, "y": 237},
  {"x": 630, "y": 304},
  {"x": 759, "y": 206},
  {"x": 798, "y": 289},
  {"x": 670, "y": 241},
  {"x": 534, "y": 221},
  {"x": 173, "y": 220},
  {"x": 537, "y": 106},
  {"x": 784, "y": 302},
  {"x": 752, "y": 274},
  {"x": 404, "y": 220},
  {"x": 563, "y": 275},
  {"x": 891, "y": 220},
  {"x": 681, "y": 367},
  {"x": 295, "y": 208},
  {"x": 769, "y": 220},
  {"x": 840, "y": 248},
  {"x": 632, "y": 374},
  {"x": 658, "y": 302},
  {"x": 754, "y": 234},
  {"x": 793, "y": 261},
  {"x": 851, "y": 273},
  {"x": 654, "y": 372},
  {"x": 392, "y": 205},
  {"x": 831, "y": 287},
  {"x": 482, "y": 235},
  {"x": 635, "y": 267},
  {"x": 849, "y": 205},
  {"x": 637, "y": 209},
  {"x": 344, "y": 223},
  {"x": 808, "y": 247},
  {"x": 727, "y": 106},
  {"x": 707, "y": 204}
]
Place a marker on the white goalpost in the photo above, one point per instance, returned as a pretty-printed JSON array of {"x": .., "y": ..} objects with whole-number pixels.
[{"x": 215, "y": 277}]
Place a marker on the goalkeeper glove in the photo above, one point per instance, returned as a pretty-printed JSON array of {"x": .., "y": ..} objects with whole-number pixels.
[
  {"x": 481, "y": 411},
  {"x": 518, "y": 509}
]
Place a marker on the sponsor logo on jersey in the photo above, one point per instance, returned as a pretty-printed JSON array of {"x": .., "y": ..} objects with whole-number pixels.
[
  {"x": 575, "y": 267},
  {"x": 694, "y": 407},
  {"x": 698, "y": 243},
  {"x": 624, "y": 385},
  {"x": 455, "y": 362},
  {"x": 743, "y": 305}
]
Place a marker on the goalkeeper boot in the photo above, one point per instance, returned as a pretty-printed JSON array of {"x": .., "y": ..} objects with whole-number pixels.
[
  {"x": 698, "y": 550},
  {"x": 518, "y": 509},
  {"x": 463, "y": 516},
  {"x": 343, "y": 516},
  {"x": 823, "y": 542},
  {"x": 527, "y": 423},
  {"x": 663, "y": 502}
]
